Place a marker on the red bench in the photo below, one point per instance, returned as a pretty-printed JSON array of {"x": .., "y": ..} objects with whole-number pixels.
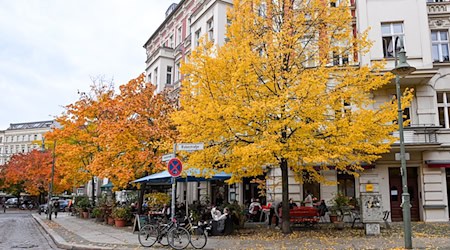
[{"x": 304, "y": 215}]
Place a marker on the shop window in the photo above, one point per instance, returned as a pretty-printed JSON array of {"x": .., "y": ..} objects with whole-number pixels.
[{"x": 346, "y": 184}]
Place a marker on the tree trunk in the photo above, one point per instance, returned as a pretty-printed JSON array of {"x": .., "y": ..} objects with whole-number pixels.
[{"x": 285, "y": 226}]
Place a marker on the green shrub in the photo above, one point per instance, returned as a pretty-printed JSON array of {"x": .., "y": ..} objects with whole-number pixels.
[
  {"x": 83, "y": 203},
  {"x": 97, "y": 212},
  {"x": 123, "y": 213}
]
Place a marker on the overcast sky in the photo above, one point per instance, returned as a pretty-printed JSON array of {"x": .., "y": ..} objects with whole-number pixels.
[{"x": 50, "y": 49}]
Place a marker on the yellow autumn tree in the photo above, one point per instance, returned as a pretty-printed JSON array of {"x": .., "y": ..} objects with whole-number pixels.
[{"x": 274, "y": 95}]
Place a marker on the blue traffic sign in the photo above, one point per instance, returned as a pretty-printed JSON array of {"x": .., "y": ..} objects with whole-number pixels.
[{"x": 175, "y": 167}]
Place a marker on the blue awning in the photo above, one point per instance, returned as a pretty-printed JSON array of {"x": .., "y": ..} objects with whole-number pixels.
[{"x": 192, "y": 175}]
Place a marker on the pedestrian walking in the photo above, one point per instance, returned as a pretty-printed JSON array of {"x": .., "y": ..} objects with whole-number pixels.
[
  {"x": 4, "y": 204},
  {"x": 56, "y": 208}
]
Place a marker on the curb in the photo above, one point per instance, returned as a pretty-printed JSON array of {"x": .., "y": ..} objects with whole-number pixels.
[{"x": 60, "y": 242}]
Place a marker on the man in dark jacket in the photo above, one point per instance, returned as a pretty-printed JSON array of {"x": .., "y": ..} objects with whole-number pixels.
[{"x": 56, "y": 208}]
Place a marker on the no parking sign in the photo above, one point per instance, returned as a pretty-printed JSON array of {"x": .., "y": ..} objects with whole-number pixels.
[{"x": 175, "y": 167}]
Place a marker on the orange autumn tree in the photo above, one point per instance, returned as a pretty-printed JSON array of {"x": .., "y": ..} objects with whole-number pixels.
[
  {"x": 76, "y": 146},
  {"x": 32, "y": 171},
  {"x": 119, "y": 136},
  {"x": 135, "y": 134},
  {"x": 276, "y": 96}
]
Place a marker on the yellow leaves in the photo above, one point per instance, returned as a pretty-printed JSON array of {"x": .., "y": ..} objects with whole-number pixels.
[{"x": 256, "y": 101}]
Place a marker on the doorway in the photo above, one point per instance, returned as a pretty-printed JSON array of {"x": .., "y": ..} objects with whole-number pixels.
[{"x": 395, "y": 193}]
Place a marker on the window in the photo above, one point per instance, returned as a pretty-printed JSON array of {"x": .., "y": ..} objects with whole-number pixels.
[
  {"x": 179, "y": 35},
  {"x": 210, "y": 27},
  {"x": 334, "y": 3},
  {"x": 1, "y": 139},
  {"x": 177, "y": 72},
  {"x": 262, "y": 10},
  {"x": 346, "y": 184},
  {"x": 35, "y": 137},
  {"x": 155, "y": 76},
  {"x": 439, "y": 42},
  {"x": 443, "y": 103},
  {"x": 197, "y": 38},
  {"x": 312, "y": 188},
  {"x": 169, "y": 75},
  {"x": 390, "y": 31},
  {"x": 189, "y": 25},
  {"x": 340, "y": 59},
  {"x": 171, "y": 43}
]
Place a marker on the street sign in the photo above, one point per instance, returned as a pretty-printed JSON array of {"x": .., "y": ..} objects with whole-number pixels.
[
  {"x": 175, "y": 167},
  {"x": 190, "y": 146},
  {"x": 168, "y": 157}
]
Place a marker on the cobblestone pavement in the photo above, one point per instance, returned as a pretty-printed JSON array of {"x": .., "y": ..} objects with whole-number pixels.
[
  {"x": 18, "y": 230},
  {"x": 88, "y": 234}
]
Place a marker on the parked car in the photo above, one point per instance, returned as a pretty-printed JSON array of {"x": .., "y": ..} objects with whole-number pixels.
[
  {"x": 63, "y": 204},
  {"x": 12, "y": 202}
]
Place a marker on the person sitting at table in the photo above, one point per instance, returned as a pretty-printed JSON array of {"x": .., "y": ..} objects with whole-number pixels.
[
  {"x": 166, "y": 211},
  {"x": 217, "y": 215},
  {"x": 254, "y": 209},
  {"x": 322, "y": 208},
  {"x": 308, "y": 199},
  {"x": 292, "y": 204},
  {"x": 222, "y": 223}
]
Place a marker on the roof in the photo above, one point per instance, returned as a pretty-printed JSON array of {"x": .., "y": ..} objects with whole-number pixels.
[{"x": 31, "y": 125}]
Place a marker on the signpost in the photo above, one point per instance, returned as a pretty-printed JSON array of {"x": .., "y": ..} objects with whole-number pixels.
[
  {"x": 175, "y": 167},
  {"x": 190, "y": 146},
  {"x": 167, "y": 157}
]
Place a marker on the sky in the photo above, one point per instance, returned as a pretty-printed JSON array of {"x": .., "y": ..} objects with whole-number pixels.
[{"x": 52, "y": 49}]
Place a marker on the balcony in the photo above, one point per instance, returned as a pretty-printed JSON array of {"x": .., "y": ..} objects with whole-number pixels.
[
  {"x": 419, "y": 135},
  {"x": 161, "y": 51},
  {"x": 435, "y": 8}
]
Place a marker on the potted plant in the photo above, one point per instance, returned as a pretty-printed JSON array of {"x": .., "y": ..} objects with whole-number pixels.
[
  {"x": 339, "y": 207},
  {"x": 83, "y": 204},
  {"x": 97, "y": 212},
  {"x": 121, "y": 215}
]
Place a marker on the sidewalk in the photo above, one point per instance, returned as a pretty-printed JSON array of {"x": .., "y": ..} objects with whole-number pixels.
[{"x": 70, "y": 232}]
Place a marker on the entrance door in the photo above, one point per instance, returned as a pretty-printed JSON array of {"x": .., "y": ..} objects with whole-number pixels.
[{"x": 395, "y": 192}]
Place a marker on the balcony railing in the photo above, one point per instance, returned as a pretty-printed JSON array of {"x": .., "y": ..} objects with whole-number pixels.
[
  {"x": 438, "y": 7},
  {"x": 419, "y": 134}
]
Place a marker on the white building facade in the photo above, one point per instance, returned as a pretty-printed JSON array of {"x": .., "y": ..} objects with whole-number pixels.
[
  {"x": 22, "y": 138},
  {"x": 423, "y": 25}
]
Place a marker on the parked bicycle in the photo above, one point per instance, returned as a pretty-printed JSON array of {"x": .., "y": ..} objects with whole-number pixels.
[
  {"x": 166, "y": 234},
  {"x": 198, "y": 233}
]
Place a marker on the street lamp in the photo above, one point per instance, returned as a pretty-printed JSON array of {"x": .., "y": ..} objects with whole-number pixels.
[
  {"x": 402, "y": 68},
  {"x": 50, "y": 185}
]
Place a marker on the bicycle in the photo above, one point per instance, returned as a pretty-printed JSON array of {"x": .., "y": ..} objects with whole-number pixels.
[
  {"x": 199, "y": 233},
  {"x": 177, "y": 237}
]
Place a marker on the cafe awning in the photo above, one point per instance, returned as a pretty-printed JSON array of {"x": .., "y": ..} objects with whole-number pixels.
[{"x": 190, "y": 175}]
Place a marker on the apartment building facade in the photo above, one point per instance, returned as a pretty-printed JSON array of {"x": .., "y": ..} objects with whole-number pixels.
[
  {"x": 423, "y": 27},
  {"x": 19, "y": 138}
]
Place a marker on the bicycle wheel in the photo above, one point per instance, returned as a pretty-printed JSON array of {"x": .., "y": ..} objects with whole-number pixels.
[
  {"x": 198, "y": 238},
  {"x": 178, "y": 238},
  {"x": 148, "y": 235}
]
